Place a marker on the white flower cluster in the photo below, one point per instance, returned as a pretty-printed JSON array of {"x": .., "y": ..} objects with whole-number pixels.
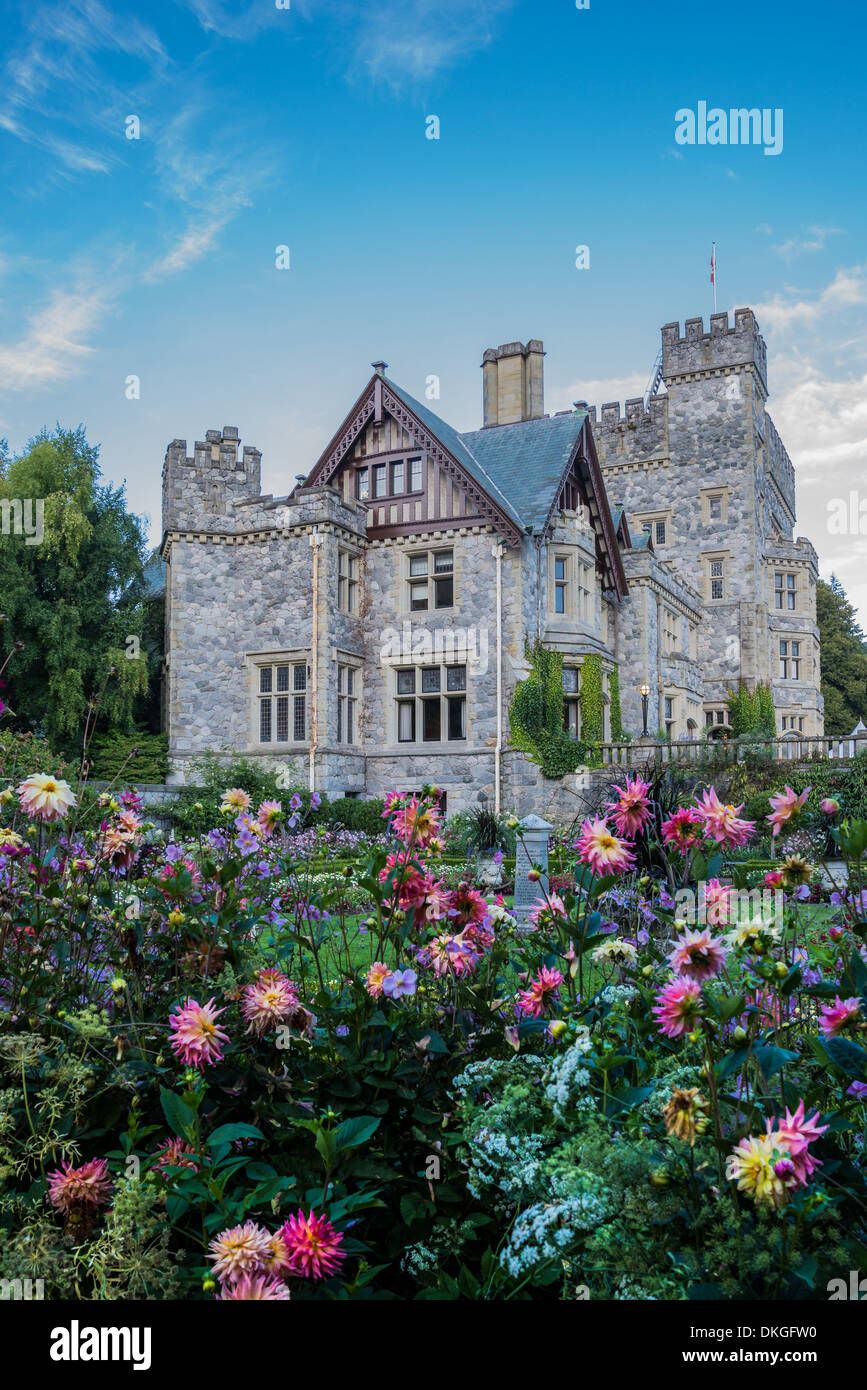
[
  {"x": 510, "y": 1162},
  {"x": 492, "y": 1071},
  {"x": 546, "y": 1230},
  {"x": 568, "y": 1077},
  {"x": 618, "y": 996}
]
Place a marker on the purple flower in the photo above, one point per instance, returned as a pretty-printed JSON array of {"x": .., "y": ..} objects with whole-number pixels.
[
  {"x": 315, "y": 800},
  {"x": 246, "y": 842},
  {"x": 216, "y": 839},
  {"x": 342, "y": 1030},
  {"x": 400, "y": 982},
  {"x": 498, "y": 856},
  {"x": 858, "y": 1089},
  {"x": 295, "y": 802},
  {"x": 803, "y": 892},
  {"x": 173, "y": 853}
]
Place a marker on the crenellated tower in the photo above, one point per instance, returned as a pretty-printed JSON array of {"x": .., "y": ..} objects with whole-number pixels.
[
  {"x": 703, "y": 470},
  {"x": 199, "y": 491}
]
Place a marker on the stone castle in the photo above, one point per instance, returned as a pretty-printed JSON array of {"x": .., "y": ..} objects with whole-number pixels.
[{"x": 366, "y": 631}]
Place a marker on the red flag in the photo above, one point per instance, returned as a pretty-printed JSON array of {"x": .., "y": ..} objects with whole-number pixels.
[{"x": 713, "y": 265}]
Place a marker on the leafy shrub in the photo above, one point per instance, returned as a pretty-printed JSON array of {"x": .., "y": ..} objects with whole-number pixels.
[{"x": 139, "y": 757}]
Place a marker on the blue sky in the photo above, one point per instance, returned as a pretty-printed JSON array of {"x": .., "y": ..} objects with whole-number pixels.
[{"x": 306, "y": 127}]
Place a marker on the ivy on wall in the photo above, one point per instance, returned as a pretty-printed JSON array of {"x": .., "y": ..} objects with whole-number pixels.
[
  {"x": 590, "y": 698},
  {"x": 752, "y": 712},
  {"x": 536, "y": 716},
  {"x": 616, "y": 717}
]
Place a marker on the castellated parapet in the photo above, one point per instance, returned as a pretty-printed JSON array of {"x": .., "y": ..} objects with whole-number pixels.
[
  {"x": 636, "y": 433},
  {"x": 721, "y": 347},
  {"x": 198, "y": 491}
]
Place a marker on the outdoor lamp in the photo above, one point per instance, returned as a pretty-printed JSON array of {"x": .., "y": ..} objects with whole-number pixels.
[{"x": 644, "y": 692}]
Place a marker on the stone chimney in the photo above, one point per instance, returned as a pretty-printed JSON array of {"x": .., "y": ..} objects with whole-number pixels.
[{"x": 513, "y": 383}]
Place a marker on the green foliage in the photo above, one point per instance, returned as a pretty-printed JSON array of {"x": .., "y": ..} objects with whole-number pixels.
[
  {"x": 211, "y": 776},
  {"x": 616, "y": 714},
  {"x": 138, "y": 757},
  {"x": 353, "y": 813},
  {"x": 75, "y": 598},
  {"x": 844, "y": 658},
  {"x": 751, "y": 713},
  {"x": 21, "y": 754},
  {"x": 592, "y": 708},
  {"x": 536, "y": 715}
]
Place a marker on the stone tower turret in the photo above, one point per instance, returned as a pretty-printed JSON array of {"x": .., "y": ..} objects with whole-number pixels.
[{"x": 198, "y": 492}]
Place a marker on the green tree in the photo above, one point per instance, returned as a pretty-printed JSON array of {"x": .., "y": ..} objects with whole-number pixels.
[
  {"x": 844, "y": 659},
  {"x": 75, "y": 598}
]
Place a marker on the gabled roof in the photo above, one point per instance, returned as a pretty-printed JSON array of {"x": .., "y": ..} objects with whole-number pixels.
[
  {"x": 517, "y": 471},
  {"x": 528, "y": 460}
]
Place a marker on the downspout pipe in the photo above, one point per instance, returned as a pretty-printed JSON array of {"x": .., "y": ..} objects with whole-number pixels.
[
  {"x": 315, "y": 542},
  {"x": 497, "y": 551}
]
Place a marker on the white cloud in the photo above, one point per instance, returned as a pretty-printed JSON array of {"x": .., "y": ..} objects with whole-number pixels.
[
  {"x": 847, "y": 290},
  {"x": 822, "y": 421},
  {"x": 220, "y": 18},
  {"x": 596, "y": 391},
  {"x": 195, "y": 243},
  {"x": 53, "y": 347},
  {"x": 813, "y": 240}
]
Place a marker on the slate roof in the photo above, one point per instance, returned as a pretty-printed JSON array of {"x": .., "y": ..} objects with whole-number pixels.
[{"x": 464, "y": 452}]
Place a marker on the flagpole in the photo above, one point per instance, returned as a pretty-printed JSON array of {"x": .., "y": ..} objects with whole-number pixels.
[{"x": 713, "y": 274}]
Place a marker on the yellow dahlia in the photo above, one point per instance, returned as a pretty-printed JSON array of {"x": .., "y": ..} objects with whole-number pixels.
[
  {"x": 44, "y": 797},
  {"x": 686, "y": 1114}
]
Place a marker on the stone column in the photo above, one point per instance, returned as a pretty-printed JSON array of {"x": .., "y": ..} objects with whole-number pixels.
[{"x": 531, "y": 848}]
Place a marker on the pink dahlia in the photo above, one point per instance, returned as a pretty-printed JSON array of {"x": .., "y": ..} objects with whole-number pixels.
[
  {"x": 416, "y": 820},
  {"x": 541, "y": 994},
  {"x": 269, "y": 1000},
  {"x": 467, "y": 905},
  {"x": 255, "y": 1286},
  {"x": 175, "y": 1153},
  {"x": 836, "y": 1016},
  {"x": 722, "y": 823},
  {"x": 683, "y": 829},
  {"x": 240, "y": 1250},
  {"x": 786, "y": 805},
  {"x": 632, "y": 809},
  {"x": 312, "y": 1246},
  {"x": 437, "y": 900},
  {"x": 604, "y": 852},
  {"x": 86, "y": 1186},
  {"x": 829, "y": 806},
  {"x": 267, "y": 816},
  {"x": 676, "y": 1006},
  {"x": 795, "y": 1133},
  {"x": 715, "y": 901},
  {"x": 376, "y": 977},
  {"x": 547, "y": 911},
  {"x": 698, "y": 955},
  {"x": 197, "y": 1038}
]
